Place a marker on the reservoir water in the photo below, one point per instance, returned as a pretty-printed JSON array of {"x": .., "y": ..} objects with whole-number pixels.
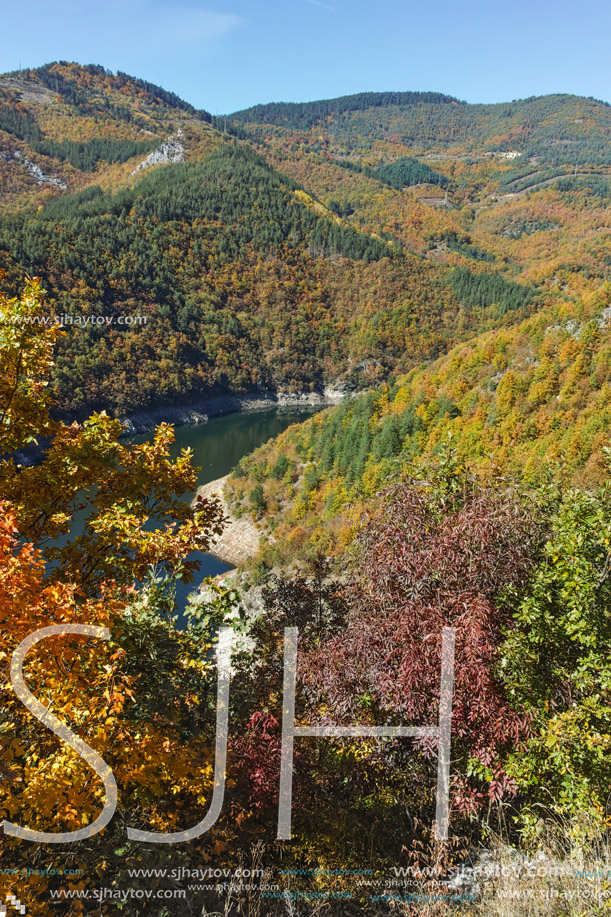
[{"x": 218, "y": 446}]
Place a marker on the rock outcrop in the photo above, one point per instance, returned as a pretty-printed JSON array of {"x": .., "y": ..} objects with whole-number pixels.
[
  {"x": 170, "y": 151},
  {"x": 35, "y": 171}
]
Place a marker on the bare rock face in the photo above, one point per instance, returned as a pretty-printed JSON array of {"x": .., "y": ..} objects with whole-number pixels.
[
  {"x": 35, "y": 171},
  {"x": 172, "y": 150},
  {"x": 28, "y": 90}
]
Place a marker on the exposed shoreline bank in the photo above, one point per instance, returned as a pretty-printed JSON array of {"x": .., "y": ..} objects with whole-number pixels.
[
  {"x": 202, "y": 409},
  {"x": 239, "y": 539}
]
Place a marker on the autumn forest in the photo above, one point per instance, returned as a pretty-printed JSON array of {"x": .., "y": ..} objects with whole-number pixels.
[{"x": 439, "y": 270}]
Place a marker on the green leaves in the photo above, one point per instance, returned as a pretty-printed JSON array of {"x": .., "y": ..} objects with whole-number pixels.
[{"x": 556, "y": 658}]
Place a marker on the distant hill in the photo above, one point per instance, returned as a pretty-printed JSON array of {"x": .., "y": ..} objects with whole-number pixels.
[
  {"x": 556, "y": 128},
  {"x": 302, "y": 115},
  {"x": 91, "y": 87}
]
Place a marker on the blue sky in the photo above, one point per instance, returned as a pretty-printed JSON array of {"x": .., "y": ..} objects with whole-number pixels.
[{"x": 233, "y": 53}]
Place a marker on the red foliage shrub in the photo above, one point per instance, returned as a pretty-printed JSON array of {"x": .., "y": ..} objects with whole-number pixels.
[
  {"x": 258, "y": 752},
  {"x": 429, "y": 561}
]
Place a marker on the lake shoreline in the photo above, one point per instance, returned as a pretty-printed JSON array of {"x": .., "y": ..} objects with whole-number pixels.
[{"x": 200, "y": 410}]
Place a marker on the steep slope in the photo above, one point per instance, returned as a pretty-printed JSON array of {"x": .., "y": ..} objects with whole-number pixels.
[
  {"x": 532, "y": 401},
  {"x": 316, "y": 249},
  {"x": 64, "y": 126},
  {"x": 165, "y": 282}
]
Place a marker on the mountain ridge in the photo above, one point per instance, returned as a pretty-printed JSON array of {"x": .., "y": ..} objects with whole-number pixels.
[
  {"x": 377, "y": 99},
  {"x": 281, "y": 259}
]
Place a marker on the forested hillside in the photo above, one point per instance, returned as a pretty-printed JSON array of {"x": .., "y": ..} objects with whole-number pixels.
[
  {"x": 530, "y": 402},
  {"x": 288, "y": 247},
  {"x": 556, "y": 128}
]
